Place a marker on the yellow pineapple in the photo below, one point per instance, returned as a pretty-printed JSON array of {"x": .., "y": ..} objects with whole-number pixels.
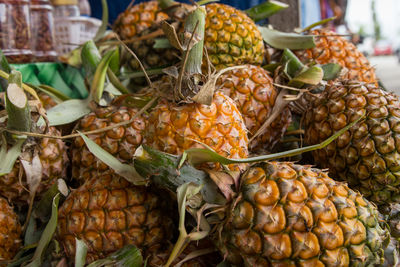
[
  {"x": 254, "y": 94},
  {"x": 331, "y": 48}
]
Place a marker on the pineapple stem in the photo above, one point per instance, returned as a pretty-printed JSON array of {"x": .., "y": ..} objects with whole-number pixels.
[
  {"x": 194, "y": 32},
  {"x": 19, "y": 116}
]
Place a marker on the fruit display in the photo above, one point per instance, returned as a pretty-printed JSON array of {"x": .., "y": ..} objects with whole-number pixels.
[
  {"x": 367, "y": 156},
  {"x": 331, "y": 48},
  {"x": 283, "y": 151}
]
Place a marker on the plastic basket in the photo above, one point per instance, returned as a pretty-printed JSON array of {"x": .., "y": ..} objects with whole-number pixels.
[{"x": 71, "y": 32}]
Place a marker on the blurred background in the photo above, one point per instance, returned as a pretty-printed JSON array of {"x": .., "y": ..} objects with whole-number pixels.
[{"x": 376, "y": 23}]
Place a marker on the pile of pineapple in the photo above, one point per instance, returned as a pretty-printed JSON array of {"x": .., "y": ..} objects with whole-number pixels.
[{"x": 201, "y": 134}]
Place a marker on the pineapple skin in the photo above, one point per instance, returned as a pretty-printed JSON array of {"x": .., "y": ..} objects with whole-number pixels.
[
  {"x": 10, "y": 231},
  {"x": 231, "y": 37},
  {"x": 120, "y": 141},
  {"x": 254, "y": 94},
  {"x": 174, "y": 128},
  {"x": 293, "y": 215},
  {"x": 54, "y": 160},
  {"x": 331, "y": 48},
  {"x": 366, "y": 156},
  {"x": 108, "y": 213},
  {"x": 138, "y": 18}
]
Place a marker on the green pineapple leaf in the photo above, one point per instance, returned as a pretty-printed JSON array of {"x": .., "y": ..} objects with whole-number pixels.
[
  {"x": 128, "y": 256},
  {"x": 318, "y": 23},
  {"x": 99, "y": 77},
  {"x": 47, "y": 235},
  {"x": 196, "y": 156},
  {"x": 282, "y": 40},
  {"x": 104, "y": 21},
  {"x": 331, "y": 71},
  {"x": 265, "y": 10},
  {"x": 8, "y": 157},
  {"x": 127, "y": 171},
  {"x": 80, "y": 253},
  {"x": 68, "y": 111}
]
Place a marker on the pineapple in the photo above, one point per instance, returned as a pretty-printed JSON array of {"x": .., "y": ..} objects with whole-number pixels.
[
  {"x": 231, "y": 37},
  {"x": 120, "y": 141},
  {"x": 254, "y": 94},
  {"x": 10, "y": 231},
  {"x": 331, "y": 48},
  {"x": 178, "y": 123},
  {"x": 367, "y": 156},
  {"x": 47, "y": 101},
  {"x": 107, "y": 213},
  {"x": 174, "y": 128},
  {"x": 138, "y": 18},
  {"x": 293, "y": 215},
  {"x": 54, "y": 160},
  {"x": 282, "y": 214},
  {"x": 48, "y": 156}
]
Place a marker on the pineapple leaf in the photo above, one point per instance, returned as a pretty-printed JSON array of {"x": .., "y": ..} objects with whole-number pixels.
[
  {"x": 293, "y": 65},
  {"x": 172, "y": 37},
  {"x": 115, "y": 62},
  {"x": 205, "y": 2},
  {"x": 68, "y": 111},
  {"x": 99, "y": 77},
  {"x": 163, "y": 43},
  {"x": 265, "y": 10},
  {"x": 47, "y": 235},
  {"x": 318, "y": 23},
  {"x": 184, "y": 193},
  {"x": 104, "y": 21},
  {"x": 162, "y": 169},
  {"x": 114, "y": 81},
  {"x": 80, "y": 253},
  {"x": 90, "y": 57},
  {"x": 198, "y": 156},
  {"x": 138, "y": 74},
  {"x": 331, "y": 71},
  {"x": 127, "y": 171},
  {"x": 51, "y": 91},
  {"x": 128, "y": 256},
  {"x": 8, "y": 157},
  {"x": 312, "y": 75},
  {"x": 42, "y": 212},
  {"x": 282, "y": 40}
]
